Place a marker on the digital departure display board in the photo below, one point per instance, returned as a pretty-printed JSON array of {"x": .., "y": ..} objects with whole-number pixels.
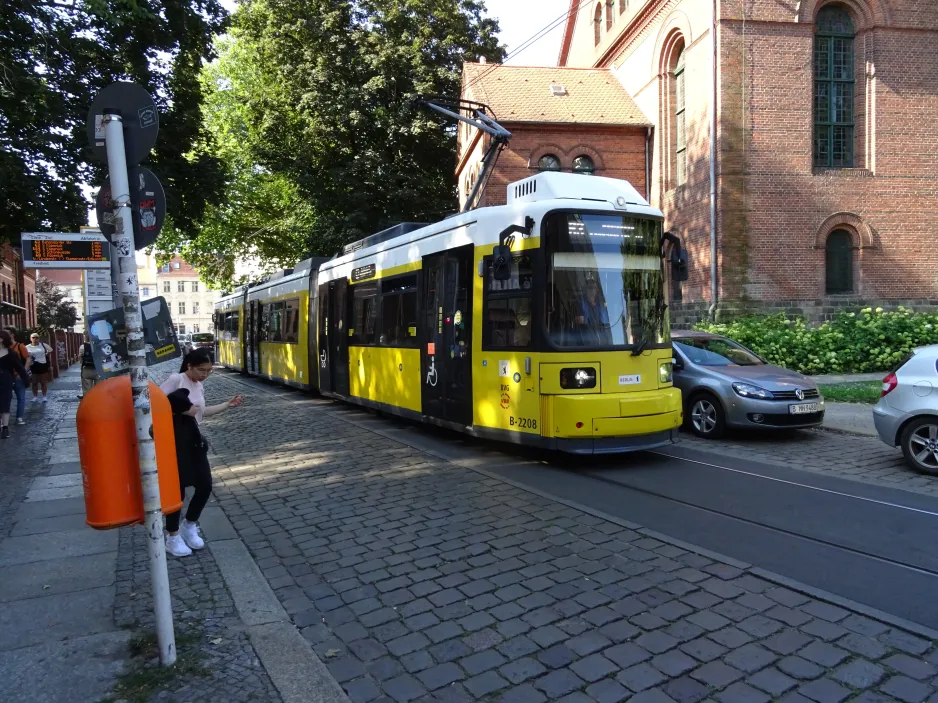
[{"x": 65, "y": 250}]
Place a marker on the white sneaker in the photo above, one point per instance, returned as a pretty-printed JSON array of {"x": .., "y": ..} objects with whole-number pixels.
[
  {"x": 35, "y": 398},
  {"x": 176, "y": 546},
  {"x": 20, "y": 421},
  {"x": 190, "y": 534},
  {"x": 45, "y": 399}
]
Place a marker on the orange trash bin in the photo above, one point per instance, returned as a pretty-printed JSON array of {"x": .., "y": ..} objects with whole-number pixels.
[{"x": 107, "y": 445}]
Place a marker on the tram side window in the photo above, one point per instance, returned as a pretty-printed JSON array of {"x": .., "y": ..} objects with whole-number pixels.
[
  {"x": 508, "y": 319},
  {"x": 229, "y": 325},
  {"x": 275, "y": 322},
  {"x": 399, "y": 311},
  {"x": 263, "y": 322},
  {"x": 233, "y": 324},
  {"x": 291, "y": 321},
  {"x": 364, "y": 315}
]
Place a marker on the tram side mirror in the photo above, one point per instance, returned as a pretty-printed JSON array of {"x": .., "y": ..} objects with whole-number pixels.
[
  {"x": 501, "y": 263},
  {"x": 679, "y": 269}
]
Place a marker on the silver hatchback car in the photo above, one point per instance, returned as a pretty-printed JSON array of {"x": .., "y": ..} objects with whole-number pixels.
[
  {"x": 726, "y": 385},
  {"x": 906, "y": 415}
]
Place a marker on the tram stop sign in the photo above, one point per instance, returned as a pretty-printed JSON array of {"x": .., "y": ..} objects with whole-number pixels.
[
  {"x": 138, "y": 113},
  {"x": 147, "y": 203}
]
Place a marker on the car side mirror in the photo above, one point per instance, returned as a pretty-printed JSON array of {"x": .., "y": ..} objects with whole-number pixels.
[
  {"x": 501, "y": 263},
  {"x": 676, "y": 363}
]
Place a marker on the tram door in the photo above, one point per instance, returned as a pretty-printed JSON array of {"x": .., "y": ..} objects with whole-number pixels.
[
  {"x": 252, "y": 337},
  {"x": 446, "y": 356},
  {"x": 333, "y": 338}
]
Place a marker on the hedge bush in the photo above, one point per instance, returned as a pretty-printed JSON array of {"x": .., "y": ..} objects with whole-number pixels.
[{"x": 862, "y": 342}]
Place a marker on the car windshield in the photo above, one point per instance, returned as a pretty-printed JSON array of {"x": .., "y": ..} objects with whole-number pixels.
[
  {"x": 203, "y": 337},
  {"x": 714, "y": 351},
  {"x": 605, "y": 282}
]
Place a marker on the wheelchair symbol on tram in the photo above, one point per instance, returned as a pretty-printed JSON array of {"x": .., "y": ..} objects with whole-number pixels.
[
  {"x": 322, "y": 359},
  {"x": 431, "y": 373}
]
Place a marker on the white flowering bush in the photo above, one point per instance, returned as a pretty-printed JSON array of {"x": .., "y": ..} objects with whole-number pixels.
[{"x": 867, "y": 341}]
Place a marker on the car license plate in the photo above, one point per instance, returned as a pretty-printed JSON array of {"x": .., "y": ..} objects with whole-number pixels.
[{"x": 804, "y": 408}]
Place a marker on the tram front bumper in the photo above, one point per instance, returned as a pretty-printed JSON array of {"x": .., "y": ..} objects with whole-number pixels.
[
  {"x": 613, "y": 445},
  {"x": 616, "y": 422}
]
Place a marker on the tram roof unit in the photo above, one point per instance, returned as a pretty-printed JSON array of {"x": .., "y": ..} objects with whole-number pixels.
[
  {"x": 382, "y": 236},
  {"x": 285, "y": 281},
  {"x": 233, "y": 296},
  {"x": 534, "y": 196}
]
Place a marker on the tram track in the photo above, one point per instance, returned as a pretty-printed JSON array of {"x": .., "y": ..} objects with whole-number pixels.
[
  {"x": 933, "y": 572},
  {"x": 876, "y": 546}
]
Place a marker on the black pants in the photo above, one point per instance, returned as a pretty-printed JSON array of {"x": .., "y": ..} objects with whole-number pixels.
[{"x": 194, "y": 470}]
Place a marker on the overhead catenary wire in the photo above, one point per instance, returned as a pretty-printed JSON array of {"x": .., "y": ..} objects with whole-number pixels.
[{"x": 528, "y": 43}]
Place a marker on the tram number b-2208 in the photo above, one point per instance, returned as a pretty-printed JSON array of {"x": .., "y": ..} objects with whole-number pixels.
[{"x": 523, "y": 423}]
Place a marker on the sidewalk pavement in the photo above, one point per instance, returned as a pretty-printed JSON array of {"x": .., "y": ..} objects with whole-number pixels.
[
  {"x": 854, "y": 418},
  {"x": 74, "y": 602},
  {"x": 830, "y": 379},
  {"x": 57, "y": 591},
  {"x": 419, "y": 579}
]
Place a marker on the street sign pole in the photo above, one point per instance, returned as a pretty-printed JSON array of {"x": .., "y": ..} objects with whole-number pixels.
[
  {"x": 116, "y": 299},
  {"x": 123, "y": 250}
]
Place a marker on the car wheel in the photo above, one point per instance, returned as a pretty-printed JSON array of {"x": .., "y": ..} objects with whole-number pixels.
[
  {"x": 919, "y": 444},
  {"x": 705, "y": 416}
]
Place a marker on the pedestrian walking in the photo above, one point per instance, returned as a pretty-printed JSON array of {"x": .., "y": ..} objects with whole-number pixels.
[
  {"x": 41, "y": 367},
  {"x": 187, "y": 399},
  {"x": 89, "y": 374},
  {"x": 10, "y": 366},
  {"x": 19, "y": 384}
]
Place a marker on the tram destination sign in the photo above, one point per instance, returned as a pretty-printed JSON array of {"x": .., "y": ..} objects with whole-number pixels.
[{"x": 66, "y": 250}]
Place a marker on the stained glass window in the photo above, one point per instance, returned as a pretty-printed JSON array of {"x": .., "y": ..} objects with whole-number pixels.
[
  {"x": 833, "y": 89},
  {"x": 681, "y": 136}
]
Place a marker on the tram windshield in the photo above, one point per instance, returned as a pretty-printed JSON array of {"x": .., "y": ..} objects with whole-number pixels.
[{"x": 605, "y": 282}]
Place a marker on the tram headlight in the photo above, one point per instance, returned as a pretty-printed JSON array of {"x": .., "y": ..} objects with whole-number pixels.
[
  {"x": 577, "y": 378},
  {"x": 664, "y": 372}
]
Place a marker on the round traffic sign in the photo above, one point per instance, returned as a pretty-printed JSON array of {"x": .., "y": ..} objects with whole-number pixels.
[
  {"x": 138, "y": 113},
  {"x": 147, "y": 207}
]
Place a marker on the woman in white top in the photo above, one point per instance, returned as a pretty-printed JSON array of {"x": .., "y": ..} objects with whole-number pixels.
[
  {"x": 40, "y": 368},
  {"x": 194, "y": 469}
]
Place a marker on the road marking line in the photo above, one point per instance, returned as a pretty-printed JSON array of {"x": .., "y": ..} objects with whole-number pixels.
[{"x": 802, "y": 485}]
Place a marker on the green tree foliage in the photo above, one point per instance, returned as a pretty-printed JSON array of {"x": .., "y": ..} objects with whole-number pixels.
[
  {"x": 52, "y": 310},
  {"x": 261, "y": 215},
  {"x": 313, "y": 104},
  {"x": 55, "y": 55}
]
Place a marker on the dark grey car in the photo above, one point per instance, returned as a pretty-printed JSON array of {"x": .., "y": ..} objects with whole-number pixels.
[{"x": 726, "y": 385}]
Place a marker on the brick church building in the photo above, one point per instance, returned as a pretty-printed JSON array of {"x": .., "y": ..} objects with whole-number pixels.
[{"x": 822, "y": 179}]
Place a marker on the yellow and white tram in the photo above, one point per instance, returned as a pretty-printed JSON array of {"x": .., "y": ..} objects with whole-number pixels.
[{"x": 542, "y": 322}]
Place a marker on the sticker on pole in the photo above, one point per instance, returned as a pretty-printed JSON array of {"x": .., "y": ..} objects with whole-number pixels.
[
  {"x": 147, "y": 203},
  {"x": 109, "y": 337},
  {"x": 139, "y": 116}
]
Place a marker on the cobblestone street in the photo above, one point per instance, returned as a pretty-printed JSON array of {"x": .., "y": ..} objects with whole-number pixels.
[{"x": 415, "y": 579}]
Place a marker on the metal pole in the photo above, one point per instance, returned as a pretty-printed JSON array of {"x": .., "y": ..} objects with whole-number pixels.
[
  {"x": 139, "y": 382},
  {"x": 714, "y": 284},
  {"x": 116, "y": 299}
]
